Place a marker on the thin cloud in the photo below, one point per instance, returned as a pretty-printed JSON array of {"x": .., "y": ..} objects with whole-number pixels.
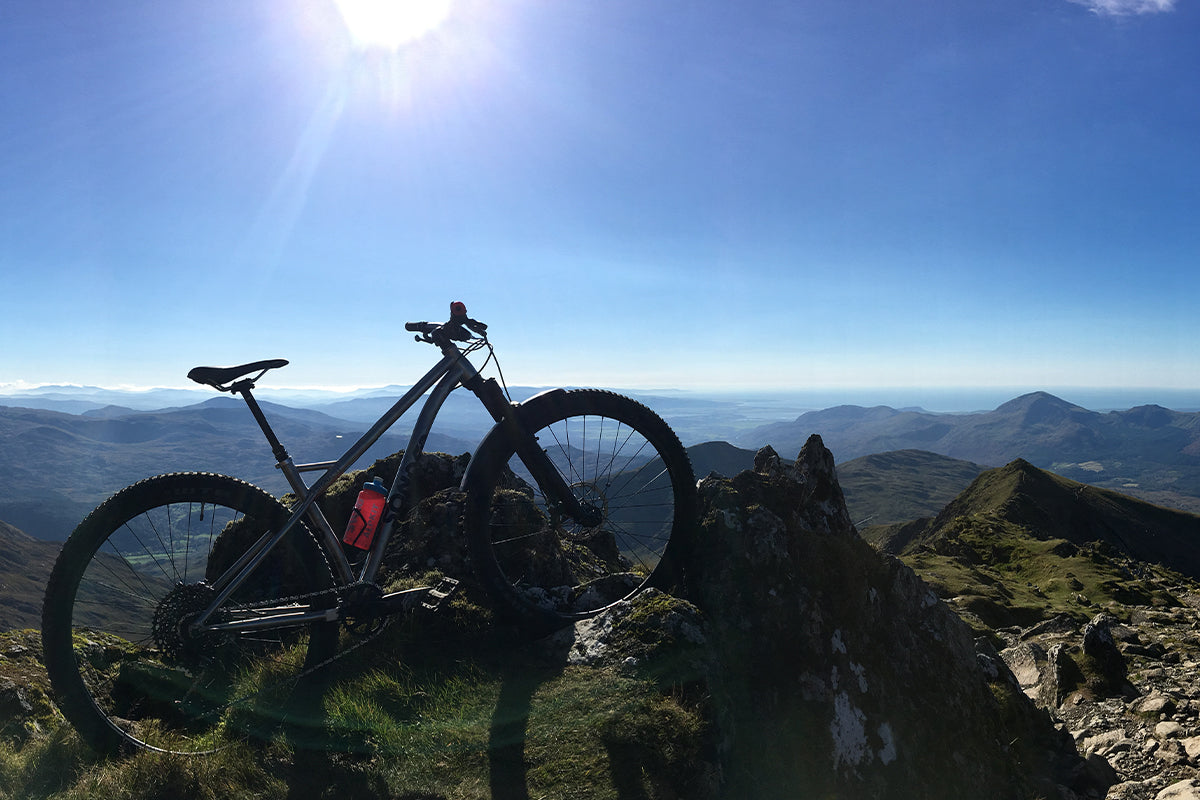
[{"x": 1124, "y": 8}]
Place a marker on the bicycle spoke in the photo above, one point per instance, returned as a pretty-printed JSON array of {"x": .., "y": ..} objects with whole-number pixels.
[
  {"x": 627, "y": 471},
  {"x": 121, "y": 648}
]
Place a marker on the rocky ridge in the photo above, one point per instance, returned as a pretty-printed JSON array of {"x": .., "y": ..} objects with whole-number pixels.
[
  {"x": 827, "y": 668},
  {"x": 834, "y": 661}
]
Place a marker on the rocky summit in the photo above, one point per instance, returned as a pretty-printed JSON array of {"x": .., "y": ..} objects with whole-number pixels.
[
  {"x": 839, "y": 673},
  {"x": 792, "y": 659}
]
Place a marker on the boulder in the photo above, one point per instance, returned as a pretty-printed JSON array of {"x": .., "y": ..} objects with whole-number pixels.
[
  {"x": 1182, "y": 790},
  {"x": 1103, "y": 664}
]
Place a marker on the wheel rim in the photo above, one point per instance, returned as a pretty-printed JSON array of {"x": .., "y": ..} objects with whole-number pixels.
[
  {"x": 571, "y": 570},
  {"x": 156, "y": 683}
]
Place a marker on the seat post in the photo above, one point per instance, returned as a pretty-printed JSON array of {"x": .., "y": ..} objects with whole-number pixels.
[{"x": 243, "y": 388}]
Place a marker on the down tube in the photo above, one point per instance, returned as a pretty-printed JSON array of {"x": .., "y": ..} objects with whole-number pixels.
[{"x": 398, "y": 494}]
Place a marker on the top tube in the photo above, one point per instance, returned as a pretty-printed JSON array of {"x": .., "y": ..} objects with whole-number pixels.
[{"x": 241, "y": 570}]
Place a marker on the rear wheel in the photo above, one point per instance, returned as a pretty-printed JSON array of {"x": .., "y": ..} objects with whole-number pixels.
[
  {"x": 126, "y": 666},
  {"x": 633, "y": 479}
]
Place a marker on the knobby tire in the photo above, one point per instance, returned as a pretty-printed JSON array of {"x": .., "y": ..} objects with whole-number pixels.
[
  {"x": 618, "y": 457},
  {"x": 124, "y": 668}
]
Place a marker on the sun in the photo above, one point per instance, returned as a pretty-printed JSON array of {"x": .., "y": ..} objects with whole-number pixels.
[{"x": 391, "y": 23}]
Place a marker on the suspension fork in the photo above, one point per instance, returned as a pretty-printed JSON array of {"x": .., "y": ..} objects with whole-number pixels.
[{"x": 531, "y": 453}]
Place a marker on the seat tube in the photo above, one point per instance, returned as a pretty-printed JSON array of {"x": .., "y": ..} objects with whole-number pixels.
[
  {"x": 398, "y": 494},
  {"x": 277, "y": 448}
]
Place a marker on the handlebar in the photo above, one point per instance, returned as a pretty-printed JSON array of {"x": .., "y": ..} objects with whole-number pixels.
[{"x": 454, "y": 329}]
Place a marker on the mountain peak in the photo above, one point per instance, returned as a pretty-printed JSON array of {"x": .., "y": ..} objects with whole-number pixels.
[
  {"x": 1041, "y": 408},
  {"x": 1004, "y": 489},
  {"x": 1034, "y": 399},
  {"x": 1050, "y": 506}
]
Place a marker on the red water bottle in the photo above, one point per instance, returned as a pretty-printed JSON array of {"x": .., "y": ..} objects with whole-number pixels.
[{"x": 368, "y": 508}]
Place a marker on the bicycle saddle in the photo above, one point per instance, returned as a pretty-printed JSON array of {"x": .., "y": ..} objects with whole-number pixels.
[{"x": 218, "y": 377}]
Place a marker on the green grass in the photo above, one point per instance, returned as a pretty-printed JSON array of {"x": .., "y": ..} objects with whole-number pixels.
[
  {"x": 434, "y": 708},
  {"x": 457, "y": 728},
  {"x": 576, "y": 733},
  {"x": 997, "y": 574}
]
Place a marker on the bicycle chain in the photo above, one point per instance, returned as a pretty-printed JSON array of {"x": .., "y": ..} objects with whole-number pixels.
[
  {"x": 340, "y": 654},
  {"x": 339, "y": 592}
]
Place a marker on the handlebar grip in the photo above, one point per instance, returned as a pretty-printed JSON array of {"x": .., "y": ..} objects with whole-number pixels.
[{"x": 453, "y": 329}]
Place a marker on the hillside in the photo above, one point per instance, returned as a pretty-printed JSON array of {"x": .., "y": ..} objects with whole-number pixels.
[
  {"x": 902, "y": 485},
  {"x": 799, "y": 662},
  {"x": 797, "y": 647},
  {"x": 719, "y": 457},
  {"x": 1146, "y": 450},
  {"x": 58, "y": 466},
  {"x": 1021, "y": 544},
  {"x": 25, "y": 565}
]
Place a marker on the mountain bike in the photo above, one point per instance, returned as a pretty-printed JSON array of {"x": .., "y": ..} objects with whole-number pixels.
[{"x": 189, "y": 607}]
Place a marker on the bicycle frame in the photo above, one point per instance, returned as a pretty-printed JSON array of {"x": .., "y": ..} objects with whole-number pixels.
[{"x": 452, "y": 370}]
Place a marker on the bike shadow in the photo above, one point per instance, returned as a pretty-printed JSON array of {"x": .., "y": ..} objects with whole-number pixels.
[
  {"x": 508, "y": 762},
  {"x": 523, "y": 667}
]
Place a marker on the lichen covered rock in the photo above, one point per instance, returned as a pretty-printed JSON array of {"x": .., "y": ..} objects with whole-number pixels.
[{"x": 839, "y": 672}]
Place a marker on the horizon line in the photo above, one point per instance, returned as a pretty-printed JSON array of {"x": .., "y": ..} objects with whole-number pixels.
[
  {"x": 22, "y": 388},
  {"x": 19, "y": 385}
]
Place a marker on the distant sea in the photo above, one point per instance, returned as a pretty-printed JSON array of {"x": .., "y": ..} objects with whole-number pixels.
[{"x": 959, "y": 400}]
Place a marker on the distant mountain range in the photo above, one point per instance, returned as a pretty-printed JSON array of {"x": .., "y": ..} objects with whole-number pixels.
[
  {"x": 695, "y": 418},
  {"x": 1148, "y": 451},
  {"x": 58, "y": 465}
]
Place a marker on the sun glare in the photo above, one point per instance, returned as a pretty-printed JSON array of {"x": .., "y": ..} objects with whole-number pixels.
[{"x": 391, "y": 23}]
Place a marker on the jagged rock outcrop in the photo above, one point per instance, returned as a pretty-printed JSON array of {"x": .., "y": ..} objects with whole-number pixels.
[{"x": 839, "y": 673}]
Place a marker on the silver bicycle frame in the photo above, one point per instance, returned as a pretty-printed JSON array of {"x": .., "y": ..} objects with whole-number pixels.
[{"x": 454, "y": 369}]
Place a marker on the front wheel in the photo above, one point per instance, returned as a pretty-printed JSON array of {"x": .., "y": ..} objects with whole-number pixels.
[
  {"x": 128, "y": 668},
  {"x": 629, "y": 474}
]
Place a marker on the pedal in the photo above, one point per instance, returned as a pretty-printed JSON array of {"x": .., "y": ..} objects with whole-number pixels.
[{"x": 437, "y": 594}]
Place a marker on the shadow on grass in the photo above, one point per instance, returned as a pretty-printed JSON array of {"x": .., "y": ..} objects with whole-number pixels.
[
  {"x": 328, "y": 762},
  {"x": 331, "y": 763},
  {"x": 507, "y": 765},
  {"x": 627, "y": 762}
]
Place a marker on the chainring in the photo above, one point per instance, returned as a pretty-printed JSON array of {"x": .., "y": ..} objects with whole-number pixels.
[{"x": 357, "y": 613}]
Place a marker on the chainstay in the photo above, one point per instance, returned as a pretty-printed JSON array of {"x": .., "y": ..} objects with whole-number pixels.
[
  {"x": 339, "y": 592},
  {"x": 295, "y": 680},
  {"x": 335, "y": 590}
]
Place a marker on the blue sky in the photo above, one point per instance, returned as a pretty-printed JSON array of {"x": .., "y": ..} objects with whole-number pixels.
[{"x": 829, "y": 193}]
